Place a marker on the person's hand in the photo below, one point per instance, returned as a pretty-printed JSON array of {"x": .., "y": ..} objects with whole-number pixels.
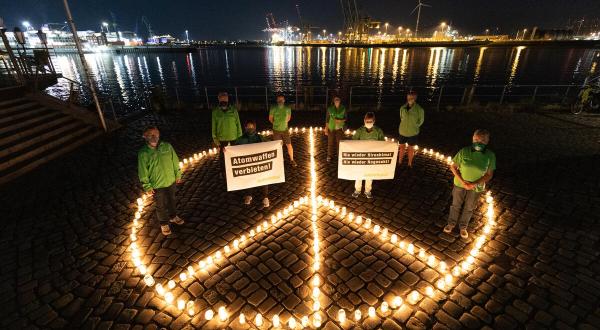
[
  {"x": 326, "y": 132},
  {"x": 150, "y": 192},
  {"x": 178, "y": 181},
  {"x": 469, "y": 185}
]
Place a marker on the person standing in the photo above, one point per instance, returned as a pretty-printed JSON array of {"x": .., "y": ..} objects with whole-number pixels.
[
  {"x": 226, "y": 127},
  {"x": 367, "y": 132},
  {"x": 158, "y": 171},
  {"x": 412, "y": 117},
  {"x": 473, "y": 167},
  {"x": 334, "y": 126},
  {"x": 250, "y": 136},
  {"x": 280, "y": 115}
]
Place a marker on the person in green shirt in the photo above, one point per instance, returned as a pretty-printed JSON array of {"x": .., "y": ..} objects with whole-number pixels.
[
  {"x": 367, "y": 132},
  {"x": 412, "y": 117},
  {"x": 226, "y": 127},
  {"x": 250, "y": 136},
  {"x": 473, "y": 167},
  {"x": 335, "y": 120},
  {"x": 279, "y": 116},
  {"x": 158, "y": 171}
]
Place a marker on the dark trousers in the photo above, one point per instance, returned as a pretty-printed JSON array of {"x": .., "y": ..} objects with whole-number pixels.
[
  {"x": 262, "y": 191},
  {"x": 467, "y": 201},
  {"x": 333, "y": 141},
  {"x": 165, "y": 203},
  {"x": 222, "y": 145}
]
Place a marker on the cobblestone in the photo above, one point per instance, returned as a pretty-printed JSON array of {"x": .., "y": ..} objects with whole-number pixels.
[{"x": 65, "y": 226}]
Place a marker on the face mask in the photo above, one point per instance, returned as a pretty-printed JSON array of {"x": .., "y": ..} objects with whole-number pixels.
[
  {"x": 369, "y": 125},
  {"x": 281, "y": 103},
  {"x": 223, "y": 104},
  {"x": 152, "y": 140},
  {"x": 250, "y": 131},
  {"x": 478, "y": 146}
]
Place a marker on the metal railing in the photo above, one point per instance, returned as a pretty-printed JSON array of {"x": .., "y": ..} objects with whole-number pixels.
[{"x": 307, "y": 97}]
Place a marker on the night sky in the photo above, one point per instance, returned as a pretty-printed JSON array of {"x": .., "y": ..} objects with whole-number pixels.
[{"x": 244, "y": 19}]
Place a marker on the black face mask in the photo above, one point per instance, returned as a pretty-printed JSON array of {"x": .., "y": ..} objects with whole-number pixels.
[{"x": 223, "y": 104}]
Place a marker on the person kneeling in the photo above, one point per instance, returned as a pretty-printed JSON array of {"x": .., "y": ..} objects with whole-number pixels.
[
  {"x": 367, "y": 132},
  {"x": 250, "y": 136}
]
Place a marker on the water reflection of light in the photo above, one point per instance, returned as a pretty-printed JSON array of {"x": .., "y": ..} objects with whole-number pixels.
[
  {"x": 362, "y": 65},
  {"x": 119, "y": 74},
  {"x": 478, "y": 65},
  {"x": 434, "y": 64},
  {"x": 146, "y": 71},
  {"x": 395, "y": 66},
  {"x": 515, "y": 65},
  {"x": 403, "y": 65},
  {"x": 191, "y": 68},
  {"x": 227, "y": 64},
  {"x": 338, "y": 64},
  {"x": 160, "y": 71},
  {"x": 323, "y": 62},
  {"x": 276, "y": 62},
  {"x": 380, "y": 75}
]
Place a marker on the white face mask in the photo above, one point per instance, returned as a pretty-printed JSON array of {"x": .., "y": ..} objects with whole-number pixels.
[{"x": 369, "y": 125}]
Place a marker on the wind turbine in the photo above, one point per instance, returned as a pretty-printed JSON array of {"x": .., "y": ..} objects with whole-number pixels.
[{"x": 418, "y": 9}]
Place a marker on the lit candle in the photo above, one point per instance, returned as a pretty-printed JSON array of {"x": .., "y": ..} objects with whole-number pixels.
[
  {"x": 316, "y": 280},
  {"x": 276, "y": 322},
  {"x": 376, "y": 229},
  {"x": 397, "y": 302},
  {"x": 357, "y": 315},
  {"x": 222, "y": 314},
  {"x": 258, "y": 320},
  {"x": 448, "y": 278},
  {"x": 209, "y": 314},
  {"x": 180, "y": 304},
  {"x": 431, "y": 260},
  {"x": 171, "y": 284},
  {"x": 384, "y": 307},
  {"x": 442, "y": 266},
  {"x": 371, "y": 311},
  {"x": 242, "y": 318},
  {"x": 414, "y": 297},
  {"x": 159, "y": 289},
  {"x": 316, "y": 305},
  {"x": 368, "y": 223},
  {"x": 411, "y": 248},
  {"x": 441, "y": 284},
  {"x": 304, "y": 321},
  {"x": 292, "y": 323},
  {"x": 394, "y": 238},
  {"x": 456, "y": 271},
  {"x": 169, "y": 297},
  {"x": 317, "y": 320},
  {"x": 422, "y": 253},
  {"x": 183, "y": 276},
  {"x": 190, "y": 308},
  {"x": 429, "y": 291},
  {"x": 149, "y": 280},
  {"x": 341, "y": 316}
]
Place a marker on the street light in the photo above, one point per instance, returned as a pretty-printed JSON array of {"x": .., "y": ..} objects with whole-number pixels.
[
  {"x": 187, "y": 36},
  {"x": 27, "y": 25},
  {"x": 104, "y": 24},
  {"x": 386, "y": 27}
]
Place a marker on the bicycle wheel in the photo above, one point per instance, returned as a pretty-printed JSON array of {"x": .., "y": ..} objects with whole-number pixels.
[{"x": 576, "y": 108}]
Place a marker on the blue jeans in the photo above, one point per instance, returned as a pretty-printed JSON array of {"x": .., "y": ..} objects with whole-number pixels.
[{"x": 467, "y": 201}]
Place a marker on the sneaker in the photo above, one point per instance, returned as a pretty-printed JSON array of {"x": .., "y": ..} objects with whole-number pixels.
[
  {"x": 448, "y": 229},
  {"x": 247, "y": 200},
  {"x": 293, "y": 162},
  {"x": 266, "y": 202},
  {"x": 464, "y": 234},
  {"x": 356, "y": 193},
  {"x": 368, "y": 194},
  {"x": 165, "y": 229},
  {"x": 177, "y": 220}
]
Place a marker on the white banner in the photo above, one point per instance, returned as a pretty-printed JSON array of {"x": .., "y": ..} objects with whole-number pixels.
[
  {"x": 367, "y": 159},
  {"x": 253, "y": 165}
]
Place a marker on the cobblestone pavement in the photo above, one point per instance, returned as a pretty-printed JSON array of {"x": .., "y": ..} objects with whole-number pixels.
[{"x": 65, "y": 232}]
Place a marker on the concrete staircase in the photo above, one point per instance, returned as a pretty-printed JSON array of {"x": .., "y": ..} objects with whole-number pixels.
[{"x": 33, "y": 132}]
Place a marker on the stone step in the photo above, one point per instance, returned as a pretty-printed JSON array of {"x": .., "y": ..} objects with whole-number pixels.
[
  {"x": 57, "y": 149},
  {"x": 13, "y": 102},
  {"x": 8, "y": 130},
  {"x": 23, "y": 157},
  {"x": 45, "y": 136},
  {"x": 16, "y": 117},
  {"x": 32, "y": 130},
  {"x": 16, "y": 107}
]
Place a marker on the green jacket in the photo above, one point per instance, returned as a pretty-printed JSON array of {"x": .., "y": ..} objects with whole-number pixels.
[
  {"x": 375, "y": 134},
  {"x": 411, "y": 120},
  {"x": 473, "y": 165},
  {"x": 334, "y": 113},
  {"x": 226, "y": 124},
  {"x": 159, "y": 167},
  {"x": 280, "y": 115}
]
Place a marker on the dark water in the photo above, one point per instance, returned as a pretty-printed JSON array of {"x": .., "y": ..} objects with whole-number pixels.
[{"x": 284, "y": 69}]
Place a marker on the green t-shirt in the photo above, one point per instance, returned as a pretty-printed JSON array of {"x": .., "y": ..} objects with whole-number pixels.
[
  {"x": 473, "y": 165},
  {"x": 375, "y": 134},
  {"x": 158, "y": 167},
  {"x": 280, "y": 115},
  {"x": 411, "y": 120},
  {"x": 226, "y": 124},
  {"x": 334, "y": 113}
]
